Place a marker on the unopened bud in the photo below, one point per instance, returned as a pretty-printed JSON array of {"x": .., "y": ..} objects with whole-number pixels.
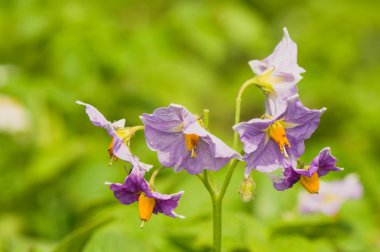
[{"x": 247, "y": 189}]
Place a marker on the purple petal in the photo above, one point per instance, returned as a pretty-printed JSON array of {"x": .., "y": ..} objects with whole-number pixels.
[
  {"x": 266, "y": 158},
  {"x": 290, "y": 177},
  {"x": 306, "y": 119},
  {"x": 95, "y": 116},
  {"x": 135, "y": 184},
  {"x": 165, "y": 132},
  {"x": 284, "y": 57},
  {"x": 99, "y": 120},
  {"x": 285, "y": 74},
  {"x": 252, "y": 133},
  {"x": 259, "y": 154},
  {"x": 276, "y": 103},
  {"x": 129, "y": 191},
  {"x": 166, "y": 203},
  {"x": 324, "y": 162}
]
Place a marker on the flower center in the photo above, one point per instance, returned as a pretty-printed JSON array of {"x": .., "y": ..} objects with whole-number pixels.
[
  {"x": 146, "y": 206},
  {"x": 191, "y": 143},
  {"x": 266, "y": 80},
  {"x": 311, "y": 184},
  {"x": 278, "y": 134},
  {"x": 125, "y": 133}
]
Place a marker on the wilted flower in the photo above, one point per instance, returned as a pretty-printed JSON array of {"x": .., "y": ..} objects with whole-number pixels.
[
  {"x": 331, "y": 196},
  {"x": 182, "y": 143},
  {"x": 278, "y": 74},
  {"x": 120, "y": 134},
  {"x": 308, "y": 175},
  {"x": 274, "y": 142},
  {"x": 136, "y": 188}
]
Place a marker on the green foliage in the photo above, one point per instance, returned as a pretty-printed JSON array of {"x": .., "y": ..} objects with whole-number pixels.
[{"x": 129, "y": 57}]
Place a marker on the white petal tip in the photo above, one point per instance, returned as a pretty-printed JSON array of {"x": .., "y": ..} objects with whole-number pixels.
[
  {"x": 179, "y": 216},
  {"x": 79, "y": 102},
  {"x": 107, "y": 183}
]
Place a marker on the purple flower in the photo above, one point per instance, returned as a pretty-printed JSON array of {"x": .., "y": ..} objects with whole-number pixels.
[
  {"x": 274, "y": 142},
  {"x": 136, "y": 188},
  {"x": 182, "y": 143},
  {"x": 331, "y": 196},
  {"x": 278, "y": 75},
  {"x": 309, "y": 175},
  {"x": 120, "y": 134}
]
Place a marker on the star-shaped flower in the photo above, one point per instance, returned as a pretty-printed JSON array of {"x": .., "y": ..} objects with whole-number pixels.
[
  {"x": 182, "y": 143},
  {"x": 274, "y": 142}
]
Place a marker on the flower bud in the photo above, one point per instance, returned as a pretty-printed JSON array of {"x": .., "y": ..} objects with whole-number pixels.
[{"x": 247, "y": 189}]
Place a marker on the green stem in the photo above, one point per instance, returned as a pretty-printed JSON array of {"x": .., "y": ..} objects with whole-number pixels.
[
  {"x": 237, "y": 109},
  {"x": 207, "y": 184},
  {"x": 218, "y": 200},
  {"x": 137, "y": 128},
  {"x": 227, "y": 179},
  {"x": 217, "y": 223},
  {"x": 217, "y": 211},
  {"x": 234, "y": 162},
  {"x": 217, "y": 197},
  {"x": 206, "y": 112},
  {"x": 153, "y": 177}
]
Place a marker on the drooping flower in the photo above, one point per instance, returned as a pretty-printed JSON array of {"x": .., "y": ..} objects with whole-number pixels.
[
  {"x": 182, "y": 143},
  {"x": 136, "y": 188},
  {"x": 331, "y": 196},
  {"x": 120, "y": 134},
  {"x": 274, "y": 142},
  {"x": 278, "y": 74},
  {"x": 308, "y": 175}
]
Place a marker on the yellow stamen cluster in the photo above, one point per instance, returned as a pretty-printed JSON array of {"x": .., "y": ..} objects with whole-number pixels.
[
  {"x": 191, "y": 143},
  {"x": 277, "y": 132},
  {"x": 146, "y": 207},
  {"x": 311, "y": 184}
]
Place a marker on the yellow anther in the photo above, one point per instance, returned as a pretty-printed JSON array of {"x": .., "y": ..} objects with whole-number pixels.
[
  {"x": 146, "y": 207},
  {"x": 277, "y": 133},
  {"x": 191, "y": 143},
  {"x": 311, "y": 184}
]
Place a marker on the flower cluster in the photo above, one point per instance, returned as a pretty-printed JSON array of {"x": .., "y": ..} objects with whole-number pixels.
[
  {"x": 273, "y": 143},
  {"x": 181, "y": 142},
  {"x": 135, "y": 187},
  {"x": 276, "y": 140}
]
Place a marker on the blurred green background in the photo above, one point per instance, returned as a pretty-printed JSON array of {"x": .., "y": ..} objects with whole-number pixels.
[{"x": 130, "y": 57}]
